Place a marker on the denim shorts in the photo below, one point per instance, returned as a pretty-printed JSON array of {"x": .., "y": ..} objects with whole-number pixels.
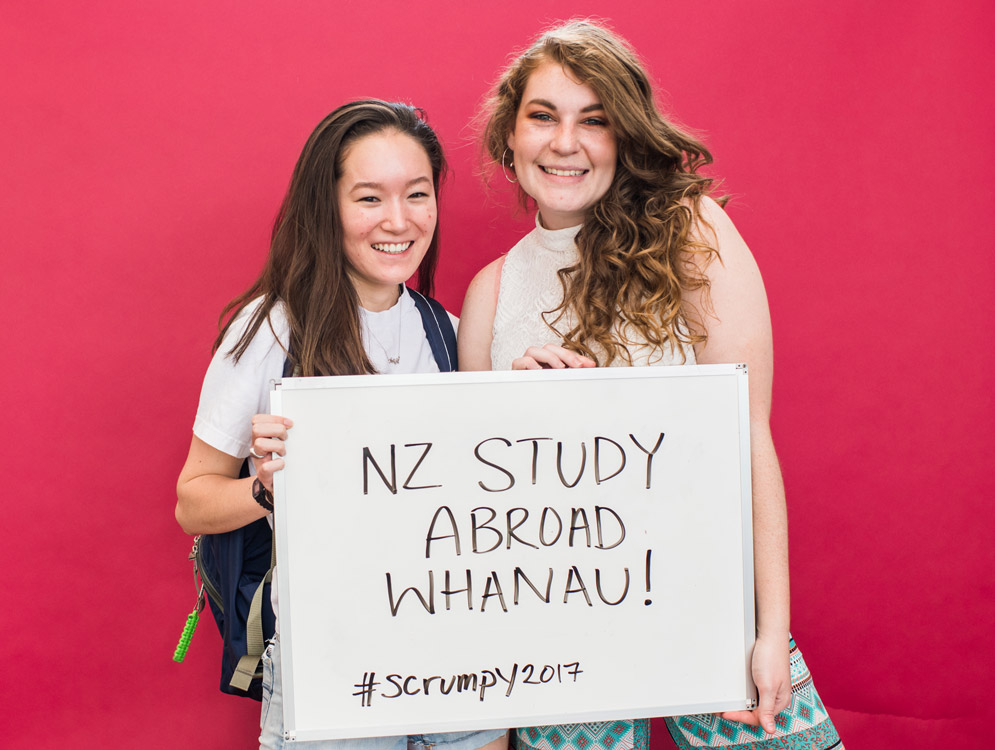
[{"x": 271, "y": 724}]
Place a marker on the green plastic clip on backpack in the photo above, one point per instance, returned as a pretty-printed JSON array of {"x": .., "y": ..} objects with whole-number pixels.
[{"x": 194, "y": 617}]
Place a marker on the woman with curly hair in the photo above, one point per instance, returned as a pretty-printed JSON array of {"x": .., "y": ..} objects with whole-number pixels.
[{"x": 632, "y": 263}]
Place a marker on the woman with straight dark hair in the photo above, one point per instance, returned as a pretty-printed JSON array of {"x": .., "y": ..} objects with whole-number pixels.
[
  {"x": 632, "y": 263},
  {"x": 359, "y": 219}
]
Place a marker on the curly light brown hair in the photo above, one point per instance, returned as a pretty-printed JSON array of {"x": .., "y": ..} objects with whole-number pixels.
[{"x": 639, "y": 251}]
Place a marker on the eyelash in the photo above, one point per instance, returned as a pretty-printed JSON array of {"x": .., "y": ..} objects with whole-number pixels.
[
  {"x": 546, "y": 117},
  {"x": 375, "y": 199}
]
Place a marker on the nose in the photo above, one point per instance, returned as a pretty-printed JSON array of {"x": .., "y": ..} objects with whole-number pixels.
[
  {"x": 395, "y": 217},
  {"x": 565, "y": 138}
]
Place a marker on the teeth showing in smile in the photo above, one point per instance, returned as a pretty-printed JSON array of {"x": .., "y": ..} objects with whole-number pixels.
[
  {"x": 392, "y": 248},
  {"x": 564, "y": 172}
]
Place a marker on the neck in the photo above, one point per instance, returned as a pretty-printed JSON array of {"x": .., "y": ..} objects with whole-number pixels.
[
  {"x": 379, "y": 298},
  {"x": 556, "y": 222}
]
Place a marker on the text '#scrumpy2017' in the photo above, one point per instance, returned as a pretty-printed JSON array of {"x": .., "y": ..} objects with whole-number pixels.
[{"x": 394, "y": 686}]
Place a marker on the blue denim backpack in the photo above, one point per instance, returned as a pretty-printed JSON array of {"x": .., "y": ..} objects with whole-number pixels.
[{"x": 235, "y": 568}]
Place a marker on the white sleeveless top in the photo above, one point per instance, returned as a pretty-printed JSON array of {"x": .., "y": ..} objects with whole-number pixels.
[{"x": 530, "y": 286}]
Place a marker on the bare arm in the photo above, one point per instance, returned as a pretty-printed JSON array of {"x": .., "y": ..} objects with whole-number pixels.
[
  {"x": 476, "y": 331},
  {"x": 739, "y": 330},
  {"x": 210, "y": 498},
  {"x": 476, "y": 327}
]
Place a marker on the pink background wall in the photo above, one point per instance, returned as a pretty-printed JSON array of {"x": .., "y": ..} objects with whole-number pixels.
[{"x": 144, "y": 149}]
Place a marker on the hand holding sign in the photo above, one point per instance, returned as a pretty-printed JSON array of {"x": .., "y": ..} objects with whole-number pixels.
[
  {"x": 267, "y": 446},
  {"x": 550, "y": 356}
]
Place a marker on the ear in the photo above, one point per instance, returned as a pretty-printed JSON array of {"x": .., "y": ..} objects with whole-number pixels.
[{"x": 511, "y": 140}]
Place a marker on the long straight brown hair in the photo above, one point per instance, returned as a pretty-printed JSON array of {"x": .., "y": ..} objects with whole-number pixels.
[{"x": 306, "y": 268}]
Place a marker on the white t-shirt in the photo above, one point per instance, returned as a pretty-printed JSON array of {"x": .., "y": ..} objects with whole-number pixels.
[{"x": 233, "y": 392}]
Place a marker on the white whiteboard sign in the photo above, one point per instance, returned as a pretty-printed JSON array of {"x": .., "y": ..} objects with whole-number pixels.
[{"x": 476, "y": 550}]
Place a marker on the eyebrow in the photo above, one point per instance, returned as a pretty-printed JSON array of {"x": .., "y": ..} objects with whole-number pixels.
[
  {"x": 378, "y": 186},
  {"x": 596, "y": 107}
]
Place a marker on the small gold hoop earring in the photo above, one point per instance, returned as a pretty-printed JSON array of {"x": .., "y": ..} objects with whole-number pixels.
[{"x": 511, "y": 165}]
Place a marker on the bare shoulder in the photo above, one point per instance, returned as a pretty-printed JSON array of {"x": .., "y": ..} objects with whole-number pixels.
[
  {"x": 477, "y": 317},
  {"x": 731, "y": 272},
  {"x": 716, "y": 229},
  {"x": 482, "y": 293},
  {"x": 731, "y": 310},
  {"x": 488, "y": 278}
]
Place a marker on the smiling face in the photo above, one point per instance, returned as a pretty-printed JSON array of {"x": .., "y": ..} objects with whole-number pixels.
[
  {"x": 564, "y": 148},
  {"x": 388, "y": 211}
]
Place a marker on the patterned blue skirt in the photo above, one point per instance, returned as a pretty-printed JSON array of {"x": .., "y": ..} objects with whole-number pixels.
[
  {"x": 803, "y": 725},
  {"x": 625, "y": 734}
]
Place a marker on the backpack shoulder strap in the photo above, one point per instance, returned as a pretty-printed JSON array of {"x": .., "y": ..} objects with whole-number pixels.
[
  {"x": 255, "y": 638},
  {"x": 438, "y": 329},
  {"x": 246, "y": 670},
  {"x": 288, "y": 367}
]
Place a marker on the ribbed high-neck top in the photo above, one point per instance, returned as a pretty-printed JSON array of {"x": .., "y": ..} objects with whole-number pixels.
[{"x": 530, "y": 286}]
